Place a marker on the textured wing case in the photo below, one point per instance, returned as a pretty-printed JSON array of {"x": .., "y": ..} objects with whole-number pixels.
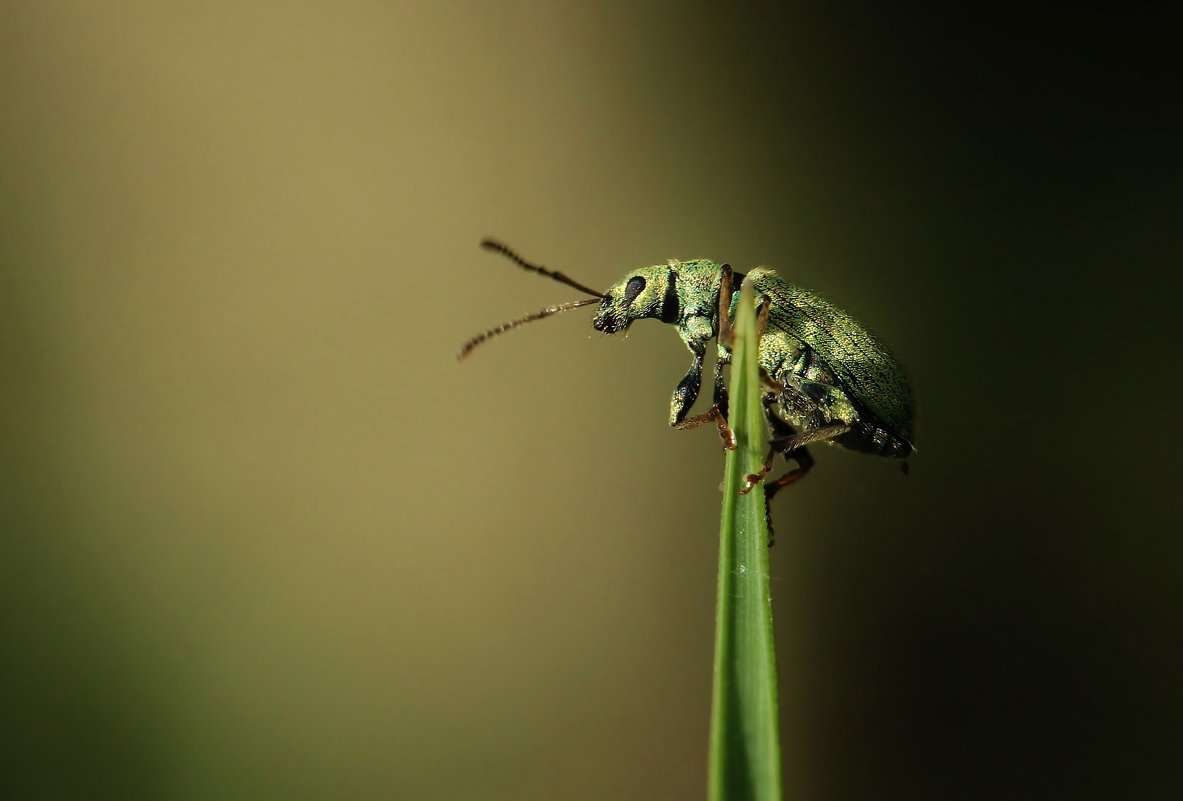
[{"x": 870, "y": 373}]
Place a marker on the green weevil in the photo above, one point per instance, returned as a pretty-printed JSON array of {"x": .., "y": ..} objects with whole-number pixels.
[{"x": 825, "y": 377}]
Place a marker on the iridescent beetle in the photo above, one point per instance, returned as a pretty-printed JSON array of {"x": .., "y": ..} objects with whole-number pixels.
[{"x": 826, "y": 378}]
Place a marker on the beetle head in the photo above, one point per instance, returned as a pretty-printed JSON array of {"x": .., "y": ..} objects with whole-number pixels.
[{"x": 650, "y": 292}]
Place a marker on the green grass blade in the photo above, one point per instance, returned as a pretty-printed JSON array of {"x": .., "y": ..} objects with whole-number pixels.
[{"x": 745, "y": 745}]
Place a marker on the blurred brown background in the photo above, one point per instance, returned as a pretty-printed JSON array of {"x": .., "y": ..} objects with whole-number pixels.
[{"x": 264, "y": 538}]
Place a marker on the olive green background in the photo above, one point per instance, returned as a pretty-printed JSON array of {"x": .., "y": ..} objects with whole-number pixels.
[{"x": 264, "y": 538}]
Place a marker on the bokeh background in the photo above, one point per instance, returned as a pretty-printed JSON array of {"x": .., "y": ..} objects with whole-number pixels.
[{"x": 263, "y": 537}]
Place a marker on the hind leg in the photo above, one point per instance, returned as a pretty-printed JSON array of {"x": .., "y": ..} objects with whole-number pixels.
[
  {"x": 804, "y": 462},
  {"x": 790, "y": 446}
]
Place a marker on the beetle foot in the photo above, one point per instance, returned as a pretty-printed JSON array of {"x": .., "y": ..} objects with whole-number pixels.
[
  {"x": 750, "y": 483},
  {"x": 753, "y": 479}
]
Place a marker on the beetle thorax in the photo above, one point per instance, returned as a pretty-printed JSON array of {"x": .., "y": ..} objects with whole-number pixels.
[
  {"x": 698, "y": 296},
  {"x": 696, "y": 330}
]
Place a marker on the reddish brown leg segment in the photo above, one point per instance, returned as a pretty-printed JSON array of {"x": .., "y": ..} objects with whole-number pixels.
[
  {"x": 755, "y": 478},
  {"x": 772, "y": 487},
  {"x": 725, "y": 279}
]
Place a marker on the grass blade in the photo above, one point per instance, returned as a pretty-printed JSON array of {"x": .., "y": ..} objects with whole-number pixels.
[{"x": 745, "y": 744}]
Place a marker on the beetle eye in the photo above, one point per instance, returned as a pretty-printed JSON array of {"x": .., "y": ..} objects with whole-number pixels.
[{"x": 633, "y": 288}]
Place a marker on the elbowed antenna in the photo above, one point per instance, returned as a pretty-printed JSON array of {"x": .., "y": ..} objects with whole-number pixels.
[
  {"x": 495, "y": 246},
  {"x": 505, "y": 250},
  {"x": 468, "y": 346}
]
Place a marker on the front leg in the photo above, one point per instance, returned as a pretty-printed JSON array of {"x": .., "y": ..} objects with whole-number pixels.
[
  {"x": 686, "y": 392},
  {"x": 719, "y": 397},
  {"x": 684, "y": 396}
]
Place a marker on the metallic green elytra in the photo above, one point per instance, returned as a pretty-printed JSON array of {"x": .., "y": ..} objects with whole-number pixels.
[{"x": 826, "y": 377}]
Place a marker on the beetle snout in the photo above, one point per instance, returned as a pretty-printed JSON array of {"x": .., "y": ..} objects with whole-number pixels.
[{"x": 605, "y": 320}]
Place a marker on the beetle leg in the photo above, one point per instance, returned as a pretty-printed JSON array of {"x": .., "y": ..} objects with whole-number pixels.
[
  {"x": 815, "y": 405},
  {"x": 726, "y": 276},
  {"x": 719, "y": 395},
  {"x": 804, "y": 462},
  {"x": 754, "y": 478},
  {"x": 713, "y": 413},
  {"x": 717, "y": 412},
  {"x": 790, "y": 446},
  {"x": 724, "y": 337},
  {"x": 787, "y": 445},
  {"x": 686, "y": 392}
]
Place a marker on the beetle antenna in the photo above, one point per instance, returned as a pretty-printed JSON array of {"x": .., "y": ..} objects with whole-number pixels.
[
  {"x": 471, "y": 344},
  {"x": 509, "y": 253}
]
